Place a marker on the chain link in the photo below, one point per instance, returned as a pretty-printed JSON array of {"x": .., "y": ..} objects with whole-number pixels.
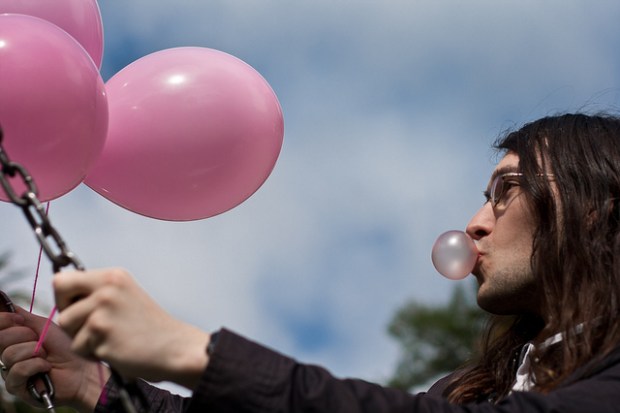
[{"x": 56, "y": 250}]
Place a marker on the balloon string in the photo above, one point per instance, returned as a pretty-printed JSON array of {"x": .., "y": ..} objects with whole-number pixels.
[
  {"x": 36, "y": 274},
  {"x": 34, "y": 293},
  {"x": 46, "y": 327},
  {"x": 104, "y": 393}
]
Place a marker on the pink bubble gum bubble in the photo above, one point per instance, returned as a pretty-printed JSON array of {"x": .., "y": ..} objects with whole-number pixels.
[{"x": 454, "y": 255}]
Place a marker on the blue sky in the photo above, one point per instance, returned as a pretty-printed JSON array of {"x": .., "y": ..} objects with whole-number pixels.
[{"x": 390, "y": 108}]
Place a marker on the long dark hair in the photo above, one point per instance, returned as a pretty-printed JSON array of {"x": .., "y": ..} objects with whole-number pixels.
[{"x": 576, "y": 255}]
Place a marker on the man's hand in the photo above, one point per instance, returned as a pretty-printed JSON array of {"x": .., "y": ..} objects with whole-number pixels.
[
  {"x": 112, "y": 319},
  {"x": 77, "y": 381}
]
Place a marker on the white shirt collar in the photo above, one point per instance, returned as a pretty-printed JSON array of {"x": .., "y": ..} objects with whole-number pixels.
[{"x": 523, "y": 378}]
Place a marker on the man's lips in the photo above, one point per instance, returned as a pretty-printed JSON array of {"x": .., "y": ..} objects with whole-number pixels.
[{"x": 476, "y": 270}]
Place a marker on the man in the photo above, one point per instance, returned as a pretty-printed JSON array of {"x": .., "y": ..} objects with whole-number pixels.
[{"x": 549, "y": 240}]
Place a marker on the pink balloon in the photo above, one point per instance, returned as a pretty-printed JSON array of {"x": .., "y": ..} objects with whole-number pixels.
[
  {"x": 80, "y": 18},
  {"x": 454, "y": 255},
  {"x": 53, "y": 106},
  {"x": 193, "y": 132}
]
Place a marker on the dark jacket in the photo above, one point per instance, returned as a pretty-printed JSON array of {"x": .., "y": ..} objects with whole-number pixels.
[{"x": 246, "y": 377}]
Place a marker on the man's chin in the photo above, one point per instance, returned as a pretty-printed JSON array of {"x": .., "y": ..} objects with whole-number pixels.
[{"x": 497, "y": 305}]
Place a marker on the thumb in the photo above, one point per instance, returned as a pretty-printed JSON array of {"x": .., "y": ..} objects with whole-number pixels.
[{"x": 33, "y": 321}]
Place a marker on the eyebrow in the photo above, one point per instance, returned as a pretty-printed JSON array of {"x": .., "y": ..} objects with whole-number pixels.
[{"x": 503, "y": 170}]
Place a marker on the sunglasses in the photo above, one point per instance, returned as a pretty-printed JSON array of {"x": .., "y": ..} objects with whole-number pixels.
[{"x": 502, "y": 183}]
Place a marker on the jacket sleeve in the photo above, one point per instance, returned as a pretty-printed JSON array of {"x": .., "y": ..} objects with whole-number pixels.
[
  {"x": 157, "y": 400},
  {"x": 243, "y": 376}
]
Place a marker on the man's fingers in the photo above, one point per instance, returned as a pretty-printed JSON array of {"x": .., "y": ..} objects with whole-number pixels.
[
  {"x": 10, "y": 319},
  {"x": 72, "y": 286},
  {"x": 14, "y": 335},
  {"x": 17, "y": 378},
  {"x": 73, "y": 318},
  {"x": 20, "y": 352}
]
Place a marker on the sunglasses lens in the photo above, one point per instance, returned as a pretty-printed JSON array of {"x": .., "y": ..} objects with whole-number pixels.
[{"x": 496, "y": 189}]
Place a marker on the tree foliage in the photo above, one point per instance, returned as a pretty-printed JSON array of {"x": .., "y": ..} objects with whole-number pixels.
[{"x": 435, "y": 340}]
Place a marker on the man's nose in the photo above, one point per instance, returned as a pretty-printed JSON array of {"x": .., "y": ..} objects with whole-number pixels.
[{"x": 481, "y": 224}]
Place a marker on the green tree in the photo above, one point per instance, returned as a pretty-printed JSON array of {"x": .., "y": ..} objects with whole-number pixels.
[{"x": 435, "y": 340}]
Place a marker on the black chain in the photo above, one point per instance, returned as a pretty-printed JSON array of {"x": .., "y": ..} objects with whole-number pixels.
[{"x": 52, "y": 243}]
